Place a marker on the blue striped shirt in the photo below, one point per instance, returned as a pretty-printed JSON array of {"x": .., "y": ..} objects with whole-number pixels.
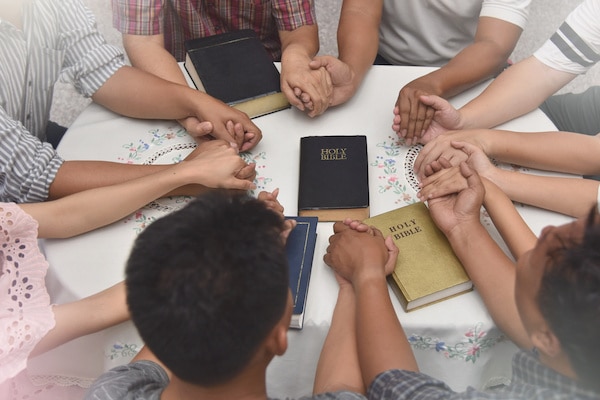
[{"x": 59, "y": 40}]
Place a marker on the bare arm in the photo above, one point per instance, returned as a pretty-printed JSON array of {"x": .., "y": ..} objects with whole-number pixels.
[
  {"x": 513, "y": 229},
  {"x": 138, "y": 94},
  {"x": 358, "y": 35},
  {"x": 516, "y": 91},
  {"x": 365, "y": 259},
  {"x": 358, "y": 41},
  {"x": 551, "y": 151},
  {"x": 569, "y": 196},
  {"x": 76, "y": 176},
  {"x": 147, "y": 52},
  {"x": 494, "y": 41},
  {"x": 85, "y": 316},
  {"x": 338, "y": 367},
  {"x": 493, "y": 274},
  {"x": 90, "y": 209},
  {"x": 491, "y": 271}
]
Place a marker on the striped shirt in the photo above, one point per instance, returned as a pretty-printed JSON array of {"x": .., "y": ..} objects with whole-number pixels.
[
  {"x": 58, "y": 40},
  {"x": 575, "y": 47},
  {"x": 531, "y": 380},
  {"x": 180, "y": 20}
]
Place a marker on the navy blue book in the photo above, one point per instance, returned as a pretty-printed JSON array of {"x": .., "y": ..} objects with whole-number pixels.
[{"x": 300, "y": 249}]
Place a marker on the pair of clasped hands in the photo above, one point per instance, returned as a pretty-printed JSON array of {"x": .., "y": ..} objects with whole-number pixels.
[
  {"x": 358, "y": 252},
  {"x": 418, "y": 116},
  {"x": 416, "y": 111}
]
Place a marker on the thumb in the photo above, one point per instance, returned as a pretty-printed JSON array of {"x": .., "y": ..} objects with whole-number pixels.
[
  {"x": 321, "y": 61},
  {"x": 391, "y": 246},
  {"x": 203, "y": 128},
  {"x": 466, "y": 147},
  {"x": 393, "y": 251},
  {"x": 469, "y": 174},
  {"x": 242, "y": 184},
  {"x": 431, "y": 100},
  {"x": 317, "y": 62}
]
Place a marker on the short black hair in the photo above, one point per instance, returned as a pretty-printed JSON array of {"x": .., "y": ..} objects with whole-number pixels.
[
  {"x": 569, "y": 299},
  {"x": 207, "y": 283}
]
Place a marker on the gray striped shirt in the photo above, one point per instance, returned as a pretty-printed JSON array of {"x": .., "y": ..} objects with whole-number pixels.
[{"x": 59, "y": 40}]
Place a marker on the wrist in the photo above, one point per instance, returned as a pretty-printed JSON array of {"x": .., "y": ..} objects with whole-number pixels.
[
  {"x": 180, "y": 174},
  {"x": 463, "y": 230},
  {"x": 369, "y": 275},
  {"x": 485, "y": 139}
]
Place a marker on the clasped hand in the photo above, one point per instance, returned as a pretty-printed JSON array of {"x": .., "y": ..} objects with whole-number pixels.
[{"x": 357, "y": 251}]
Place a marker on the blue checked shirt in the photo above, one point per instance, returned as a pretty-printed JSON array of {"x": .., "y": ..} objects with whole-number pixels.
[{"x": 531, "y": 380}]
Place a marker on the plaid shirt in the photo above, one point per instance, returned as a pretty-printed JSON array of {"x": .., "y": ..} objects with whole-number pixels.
[
  {"x": 180, "y": 20},
  {"x": 531, "y": 380}
]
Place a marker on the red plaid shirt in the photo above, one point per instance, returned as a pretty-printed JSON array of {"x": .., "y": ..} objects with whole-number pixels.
[{"x": 180, "y": 20}]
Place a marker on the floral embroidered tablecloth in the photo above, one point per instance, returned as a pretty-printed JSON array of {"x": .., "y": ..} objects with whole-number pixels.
[{"x": 454, "y": 340}]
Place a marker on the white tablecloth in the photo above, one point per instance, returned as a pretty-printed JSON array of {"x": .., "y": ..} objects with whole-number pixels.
[{"x": 454, "y": 340}]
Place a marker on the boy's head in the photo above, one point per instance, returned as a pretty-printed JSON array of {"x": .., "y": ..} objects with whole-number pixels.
[
  {"x": 207, "y": 284},
  {"x": 558, "y": 287}
]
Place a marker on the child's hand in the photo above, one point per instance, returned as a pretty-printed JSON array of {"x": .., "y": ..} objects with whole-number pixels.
[
  {"x": 270, "y": 199},
  {"x": 217, "y": 164}
]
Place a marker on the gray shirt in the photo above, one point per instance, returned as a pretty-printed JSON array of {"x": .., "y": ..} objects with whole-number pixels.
[{"x": 59, "y": 40}]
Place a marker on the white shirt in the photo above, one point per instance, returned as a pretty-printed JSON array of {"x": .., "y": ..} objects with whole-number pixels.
[
  {"x": 575, "y": 47},
  {"x": 431, "y": 32},
  {"x": 59, "y": 39}
]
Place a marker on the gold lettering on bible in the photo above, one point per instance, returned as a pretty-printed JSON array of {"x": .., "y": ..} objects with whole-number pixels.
[
  {"x": 405, "y": 229},
  {"x": 334, "y": 154}
]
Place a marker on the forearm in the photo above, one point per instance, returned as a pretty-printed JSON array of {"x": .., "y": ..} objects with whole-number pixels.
[
  {"x": 88, "y": 315},
  {"x": 494, "y": 40},
  {"x": 553, "y": 151},
  {"x": 138, "y": 94},
  {"x": 301, "y": 42},
  {"x": 474, "y": 64},
  {"x": 493, "y": 275},
  {"x": 382, "y": 343},
  {"x": 71, "y": 215},
  {"x": 149, "y": 54},
  {"x": 358, "y": 35},
  {"x": 516, "y": 91},
  {"x": 513, "y": 229},
  {"x": 76, "y": 176},
  {"x": 338, "y": 367},
  {"x": 569, "y": 196}
]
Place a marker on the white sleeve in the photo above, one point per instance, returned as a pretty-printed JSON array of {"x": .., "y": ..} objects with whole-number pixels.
[
  {"x": 513, "y": 11},
  {"x": 575, "y": 46}
]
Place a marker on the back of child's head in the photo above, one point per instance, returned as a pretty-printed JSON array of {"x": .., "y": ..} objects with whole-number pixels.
[
  {"x": 569, "y": 299},
  {"x": 206, "y": 284}
]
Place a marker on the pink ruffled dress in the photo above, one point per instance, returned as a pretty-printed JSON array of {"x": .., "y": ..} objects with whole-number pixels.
[{"x": 25, "y": 312}]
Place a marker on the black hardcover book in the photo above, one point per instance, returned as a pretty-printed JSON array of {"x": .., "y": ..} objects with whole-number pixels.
[
  {"x": 334, "y": 180},
  {"x": 300, "y": 250},
  {"x": 235, "y": 68}
]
